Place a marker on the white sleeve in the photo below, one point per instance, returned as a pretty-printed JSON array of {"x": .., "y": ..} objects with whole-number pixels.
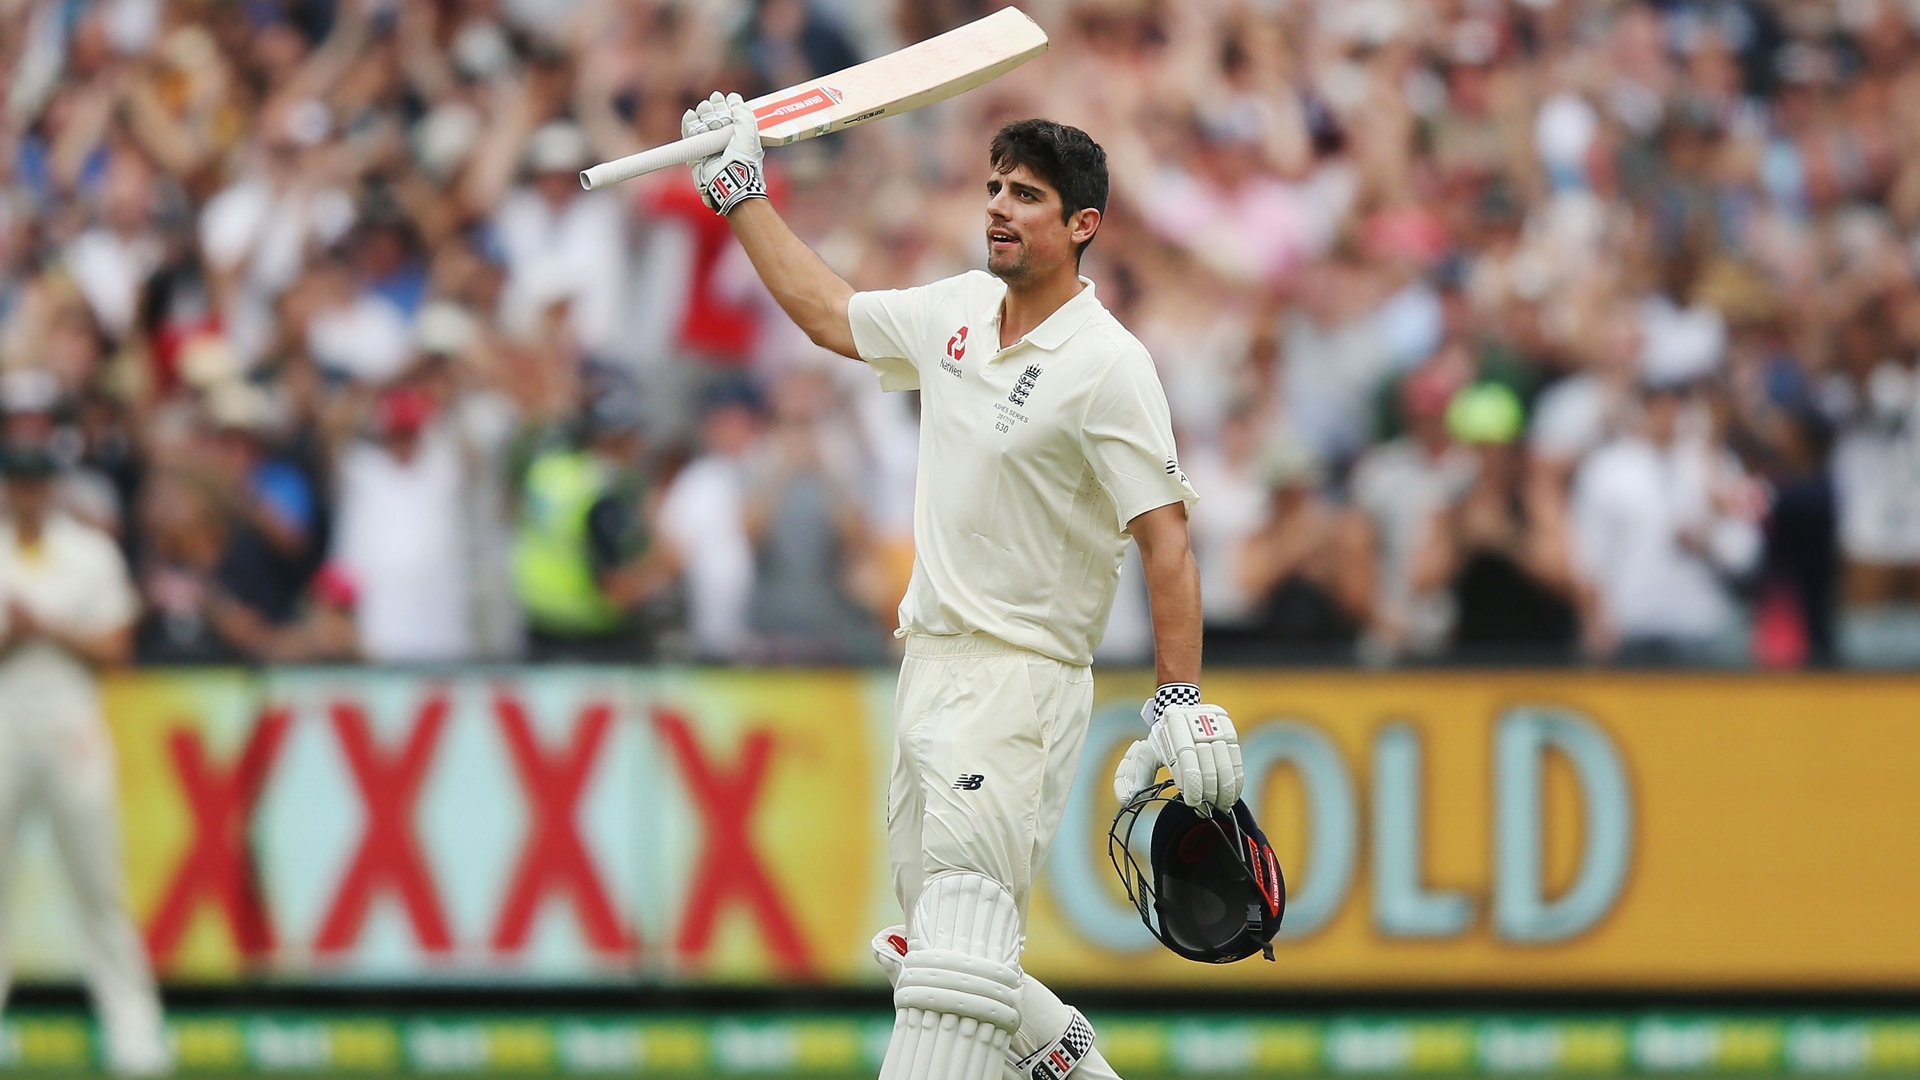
[
  {"x": 1128, "y": 440},
  {"x": 886, "y": 327},
  {"x": 111, "y": 604},
  {"x": 1593, "y": 524}
]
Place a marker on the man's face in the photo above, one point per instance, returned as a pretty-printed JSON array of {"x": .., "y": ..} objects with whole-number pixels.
[
  {"x": 1025, "y": 236},
  {"x": 29, "y": 496},
  {"x": 557, "y": 188},
  {"x": 1663, "y": 414}
]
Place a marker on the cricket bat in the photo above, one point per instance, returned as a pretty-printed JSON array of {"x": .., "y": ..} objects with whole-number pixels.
[{"x": 934, "y": 70}]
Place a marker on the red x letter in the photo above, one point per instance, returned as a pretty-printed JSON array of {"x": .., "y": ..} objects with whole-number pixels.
[
  {"x": 389, "y": 855},
  {"x": 730, "y": 868},
  {"x": 220, "y": 864},
  {"x": 555, "y": 858}
]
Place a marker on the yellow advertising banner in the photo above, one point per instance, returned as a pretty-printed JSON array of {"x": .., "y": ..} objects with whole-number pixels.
[{"x": 1546, "y": 829}]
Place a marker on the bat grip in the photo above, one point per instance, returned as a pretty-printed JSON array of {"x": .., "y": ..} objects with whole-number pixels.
[{"x": 705, "y": 144}]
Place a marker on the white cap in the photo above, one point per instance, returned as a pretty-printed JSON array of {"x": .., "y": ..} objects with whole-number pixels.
[
  {"x": 559, "y": 146},
  {"x": 29, "y": 390},
  {"x": 445, "y": 328},
  {"x": 444, "y": 137}
]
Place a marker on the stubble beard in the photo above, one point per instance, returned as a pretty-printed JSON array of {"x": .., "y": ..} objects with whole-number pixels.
[{"x": 1012, "y": 269}]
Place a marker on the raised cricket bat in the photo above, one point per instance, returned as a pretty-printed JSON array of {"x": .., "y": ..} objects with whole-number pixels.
[{"x": 934, "y": 70}]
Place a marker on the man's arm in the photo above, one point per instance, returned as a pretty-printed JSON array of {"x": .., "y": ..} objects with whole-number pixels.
[
  {"x": 1196, "y": 742},
  {"x": 1173, "y": 591},
  {"x": 811, "y": 294},
  {"x": 733, "y": 182},
  {"x": 105, "y": 648}
]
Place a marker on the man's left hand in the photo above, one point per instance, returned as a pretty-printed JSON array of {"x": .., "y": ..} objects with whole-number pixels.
[{"x": 1199, "y": 748}]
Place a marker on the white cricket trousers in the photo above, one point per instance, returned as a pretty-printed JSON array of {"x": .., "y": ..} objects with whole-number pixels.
[
  {"x": 987, "y": 738},
  {"x": 62, "y": 761}
]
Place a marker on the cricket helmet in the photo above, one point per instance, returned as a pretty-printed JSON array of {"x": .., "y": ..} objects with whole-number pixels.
[{"x": 1211, "y": 889}]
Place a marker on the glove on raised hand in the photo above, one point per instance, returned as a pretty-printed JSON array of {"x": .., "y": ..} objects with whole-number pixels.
[
  {"x": 737, "y": 173},
  {"x": 1195, "y": 742}
]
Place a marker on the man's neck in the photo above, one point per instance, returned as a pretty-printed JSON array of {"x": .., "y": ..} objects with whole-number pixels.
[
  {"x": 1028, "y": 304},
  {"x": 28, "y": 532}
]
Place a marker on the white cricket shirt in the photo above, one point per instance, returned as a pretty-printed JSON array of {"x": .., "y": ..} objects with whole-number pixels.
[
  {"x": 73, "y": 580},
  {"x": 1033, "y": 459}
]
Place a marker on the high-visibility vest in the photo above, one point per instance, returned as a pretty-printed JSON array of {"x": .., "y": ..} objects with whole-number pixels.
[{"x": 552, "y": 558}]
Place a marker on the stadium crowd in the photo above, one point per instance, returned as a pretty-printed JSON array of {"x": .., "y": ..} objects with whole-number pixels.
[{"x": 1494, "y": 330}]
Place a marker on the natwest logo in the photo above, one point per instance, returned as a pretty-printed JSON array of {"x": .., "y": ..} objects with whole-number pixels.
[{"x": 956, "y": 350}]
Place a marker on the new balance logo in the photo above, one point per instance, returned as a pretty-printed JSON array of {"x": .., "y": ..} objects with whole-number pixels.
[
  {"x": 969, "y": 782},
  {"x": 1024, "y": 386}
]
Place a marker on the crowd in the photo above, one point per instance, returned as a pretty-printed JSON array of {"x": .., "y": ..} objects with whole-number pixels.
[{"x": 1494, "y": 330}]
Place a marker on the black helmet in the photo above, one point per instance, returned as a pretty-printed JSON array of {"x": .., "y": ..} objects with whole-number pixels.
[{"x": 1214, "y": 893}]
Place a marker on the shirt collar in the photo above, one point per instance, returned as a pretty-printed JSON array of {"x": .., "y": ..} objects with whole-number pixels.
[{"x": 1056, "y": 328}]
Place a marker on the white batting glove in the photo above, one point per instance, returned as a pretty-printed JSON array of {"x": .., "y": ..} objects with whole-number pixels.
[
  {"x": 1195, "y": 742},
  {"x": 737, "y": 173}
]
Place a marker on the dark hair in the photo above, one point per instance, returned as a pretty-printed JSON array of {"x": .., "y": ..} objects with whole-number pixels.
[{"x": 1065, "y": 158}]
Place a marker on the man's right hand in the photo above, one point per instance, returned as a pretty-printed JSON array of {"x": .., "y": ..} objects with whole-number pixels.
[{"x": 737, "y": 173}]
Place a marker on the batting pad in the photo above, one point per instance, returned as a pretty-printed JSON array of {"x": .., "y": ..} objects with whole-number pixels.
[{"x": 957, "y": 1000}]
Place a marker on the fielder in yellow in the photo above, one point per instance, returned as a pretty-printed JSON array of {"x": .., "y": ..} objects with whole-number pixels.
[{"x": 1045, "y": 442}]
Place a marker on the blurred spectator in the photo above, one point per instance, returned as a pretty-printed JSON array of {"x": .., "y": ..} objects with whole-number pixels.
[
  {"x": 1335, "y": 356},
  {"x": 1794, "y": 622},
  {"x": 1302, "y": 568},
  {"x": 1229, "y": 471},
  {"x": 400, "y": 531},
  {"x": 1400, "y": 488},
  {"x": 1663, "y": 521},
  {"x": 584, "y": 557},
  {"x": 784, "y": 42},
  {"x": 272, "y": 542},
  {"x": 561, "y": 245},
  {"x": 186, "y": 538},
  {"x": 810, "y": 541},
  {"x": 1496, "y": 550},
  {"x": 257, "y": 233},
  {"x": 323, "y": 631},
  {"x": 1576, "y": 415},
  {"x": 113, "y": 259},
  {"x": 1876, "y": 470},
  {"x": 703, "y": 515},
  {"x": 67, "y": 608},
  {"x": 32, "y": 408}
]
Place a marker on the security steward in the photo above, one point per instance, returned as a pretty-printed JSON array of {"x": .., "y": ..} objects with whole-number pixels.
[{"x": 583, "y": 561}]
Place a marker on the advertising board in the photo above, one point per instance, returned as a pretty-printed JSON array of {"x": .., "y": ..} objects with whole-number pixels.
[{"x": 725, "y": 827}]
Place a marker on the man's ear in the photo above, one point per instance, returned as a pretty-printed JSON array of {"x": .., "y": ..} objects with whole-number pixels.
[{"x": 1086, "y": 222}]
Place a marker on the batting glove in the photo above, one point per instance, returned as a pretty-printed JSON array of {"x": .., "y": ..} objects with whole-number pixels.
[
  {"x": 737, "y": 173},
  {"x": 1195, "y": 742}
]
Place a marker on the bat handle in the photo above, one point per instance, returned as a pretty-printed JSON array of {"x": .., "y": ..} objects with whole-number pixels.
[{"x": 705, "y": 144}]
